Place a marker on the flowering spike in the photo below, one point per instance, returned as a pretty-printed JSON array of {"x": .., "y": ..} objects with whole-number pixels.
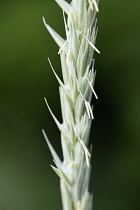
[{"x": 76, "y": 53}]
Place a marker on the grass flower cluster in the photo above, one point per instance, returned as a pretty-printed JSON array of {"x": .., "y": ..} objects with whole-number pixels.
[{"x": 76, "y": 90}]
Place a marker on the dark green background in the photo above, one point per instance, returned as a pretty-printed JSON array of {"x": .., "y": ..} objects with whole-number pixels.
[{"x": 26, "y": 179}]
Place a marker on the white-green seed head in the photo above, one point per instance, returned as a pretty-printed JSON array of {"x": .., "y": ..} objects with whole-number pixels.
[{"x": 76, "y": 90}]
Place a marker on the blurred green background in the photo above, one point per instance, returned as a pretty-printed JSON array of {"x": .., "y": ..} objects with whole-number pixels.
[{"x": 26, "y": 180}]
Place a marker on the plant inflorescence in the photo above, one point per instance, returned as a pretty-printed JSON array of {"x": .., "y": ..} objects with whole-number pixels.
[{"x": 76, "y": 90}]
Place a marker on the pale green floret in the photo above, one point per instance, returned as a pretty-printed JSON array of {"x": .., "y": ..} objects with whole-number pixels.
[{"x": 76, "y": 90}]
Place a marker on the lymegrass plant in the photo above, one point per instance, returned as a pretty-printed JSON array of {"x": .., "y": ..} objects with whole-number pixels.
[{"x": 76, "y": 90}]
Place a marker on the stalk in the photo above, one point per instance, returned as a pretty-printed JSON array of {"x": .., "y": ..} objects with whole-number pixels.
[{"x": 76, "y": 90}]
